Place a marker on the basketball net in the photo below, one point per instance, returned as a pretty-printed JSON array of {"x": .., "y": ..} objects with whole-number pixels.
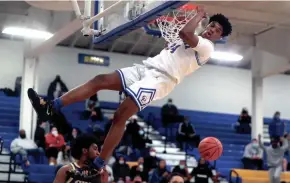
[{"x": 171, "y": 24}]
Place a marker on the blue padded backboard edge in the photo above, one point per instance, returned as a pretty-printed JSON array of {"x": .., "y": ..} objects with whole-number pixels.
[{"x": 139, "y": 21}]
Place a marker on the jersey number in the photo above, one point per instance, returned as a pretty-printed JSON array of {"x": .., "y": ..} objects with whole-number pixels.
[{"x": 174, "y": 47}]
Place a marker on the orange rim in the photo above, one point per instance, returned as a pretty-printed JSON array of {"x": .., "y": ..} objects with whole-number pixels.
[{"x": 188, "y": 6}]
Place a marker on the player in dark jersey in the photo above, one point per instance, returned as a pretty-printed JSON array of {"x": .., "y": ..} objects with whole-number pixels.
[{"x": 84, "y": 150}]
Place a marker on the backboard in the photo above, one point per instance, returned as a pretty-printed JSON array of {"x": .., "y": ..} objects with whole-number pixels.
[{"x": 130, "y": 16}]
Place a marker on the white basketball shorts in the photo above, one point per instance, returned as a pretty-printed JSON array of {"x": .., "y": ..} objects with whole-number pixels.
[{"x": 144, "y": 84}]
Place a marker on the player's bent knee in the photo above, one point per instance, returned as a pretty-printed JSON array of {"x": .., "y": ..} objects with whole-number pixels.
[{"x": 101, "y": 78}]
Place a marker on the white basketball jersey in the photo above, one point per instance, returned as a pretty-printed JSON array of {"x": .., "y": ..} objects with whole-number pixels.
[{"x": 182, "y": 59}]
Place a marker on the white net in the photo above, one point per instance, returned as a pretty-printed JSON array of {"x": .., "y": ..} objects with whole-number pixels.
[{"x": 171, "y": 24}]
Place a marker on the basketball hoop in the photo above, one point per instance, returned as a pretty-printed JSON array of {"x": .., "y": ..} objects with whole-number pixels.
[{"x": 169, "y": 26}]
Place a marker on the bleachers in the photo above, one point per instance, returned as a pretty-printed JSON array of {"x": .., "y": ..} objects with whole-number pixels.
[
  {"x": 205, "y": 123},
  {"x": 255, "y": 176}
]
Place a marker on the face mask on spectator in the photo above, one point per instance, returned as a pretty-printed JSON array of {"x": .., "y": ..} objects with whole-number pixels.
[
  {"x": 55, "y": 133},
  {"x": 255, "y": 145},
  {"x": 141, "y": 167},
  {"x": 121, "y": 162},
  {"x": 141, "y": 132},
  {"x": 152, "y": 153},
  {"x": 22, "y": 135},
  {"x": 181, "y": 166}
]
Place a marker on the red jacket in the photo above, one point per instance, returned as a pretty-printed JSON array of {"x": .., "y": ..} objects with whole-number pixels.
[{"x": 53, "y": 141}]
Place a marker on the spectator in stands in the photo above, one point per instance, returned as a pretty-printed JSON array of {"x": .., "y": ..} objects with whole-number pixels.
[
  {"x": 23, "y": 146},
  {"x": 276, "y": 127},
  {"x": 93, "y": 109},
  {"x": 253, "y": 156},
  {"x": 186, "y": 134},
  {"x": 18, "y": 83},
  {"x": 64, "y": 157},
  {"x": 39, "y": 135},
  {"x": 72, "y": 136},
  {"x": 202, "y": 173},
  {"x": 56, "y": 88},
  {"x": 275, "y": 155},
  {"x": 151, "y": 161},
  {"x": 243, "y": 123},
  {"x": 54, "y": 142},
  {"x": 131, "y": 131},
  {"x": 138, "y": 170},
  {"x": 159, "y": 174},
  {"x": 168, "y": 111},
  {"x": 60, "y": 122},
  {"x": 182, "y": 170},
  {"x": 169, "y": 115},
  {"x": 121, "y": 170},
  {"x": 135, "y": 134}
]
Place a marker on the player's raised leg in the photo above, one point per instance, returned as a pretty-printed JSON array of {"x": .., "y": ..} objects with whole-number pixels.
[
  {"x": 123, "y": 113},
  {"x": 45, "y": 108}
]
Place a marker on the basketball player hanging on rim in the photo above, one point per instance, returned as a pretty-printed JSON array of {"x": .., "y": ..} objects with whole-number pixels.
[
  {"x": 153, "y": 80},
  {"x": 84, "y": 150}
]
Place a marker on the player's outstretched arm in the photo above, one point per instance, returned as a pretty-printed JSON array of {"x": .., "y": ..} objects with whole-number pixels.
[
  {"x": 187, "y": 33},
  {"x": 61, "y": 175}
]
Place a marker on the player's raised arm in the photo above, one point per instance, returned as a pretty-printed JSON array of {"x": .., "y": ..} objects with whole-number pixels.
[{"x": 187, "y": 33}]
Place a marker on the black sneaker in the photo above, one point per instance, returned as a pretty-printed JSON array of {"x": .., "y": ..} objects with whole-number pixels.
[{"x": 42, "y": 107}]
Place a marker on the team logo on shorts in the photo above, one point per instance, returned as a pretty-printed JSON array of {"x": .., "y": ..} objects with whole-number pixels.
[{"x": 145, "y": 96}]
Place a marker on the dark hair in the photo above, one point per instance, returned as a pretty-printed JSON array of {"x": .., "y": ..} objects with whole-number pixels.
[
  {"x": 94, "y": 97},
  {"x": 83, "y": 141},
  {"x": 173, "y": 175},
  {"x": 224, "y": 22}
]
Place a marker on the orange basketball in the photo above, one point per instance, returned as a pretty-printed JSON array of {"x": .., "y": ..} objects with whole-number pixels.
[{"x": 210, "y": 148}]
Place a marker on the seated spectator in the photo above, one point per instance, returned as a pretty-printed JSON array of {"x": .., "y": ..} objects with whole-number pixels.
[
  {"x": 121, "y": 170},
  {"x": 253, "y": 156},
  {"x": 72, "y": 136},
  {"x": 54, "y": 142},
  {"x": 60, "y": 122},
  {"x": 23, "y": 146},
  {"x": 56, "y": 88},
  {"x": 93, "y": 109},
  {"x": 243, "y": 123},
  {"x": 182, "y": 170},
  {"x": 159, "y": 174},
  {"x": 186, "y": 134},
  {"x": 64, "y": 157},
  {"x": 39, "y": 135},
  {"x": 202, "y": 173},
  {"x": 151, "y": 161},
  {"x": 276, "y": 127},
  {"x": 138, "y": 170}
]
